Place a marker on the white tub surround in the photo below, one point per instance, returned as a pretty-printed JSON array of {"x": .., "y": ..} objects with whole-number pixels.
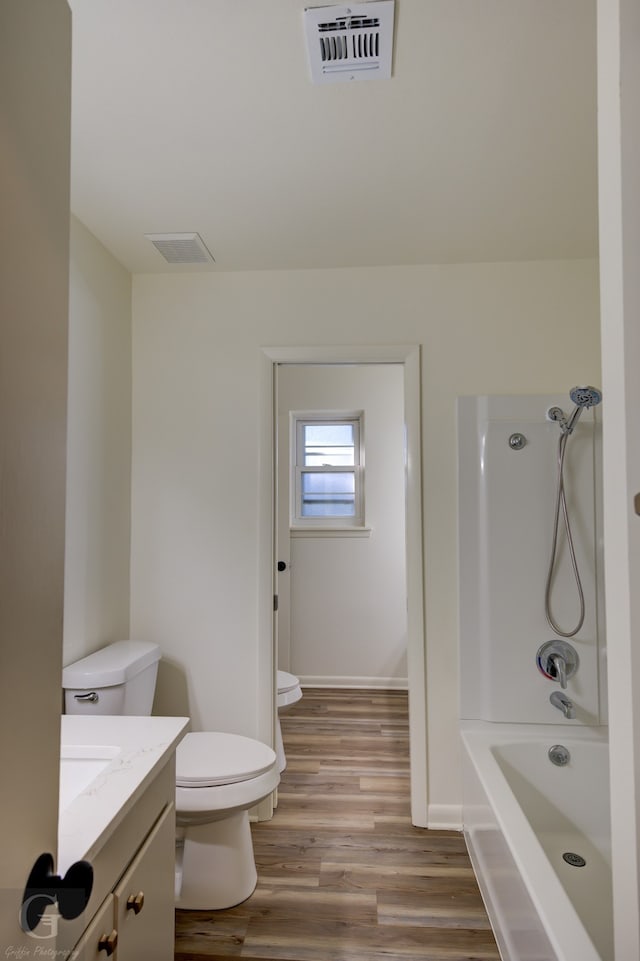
[
  {"x": 521, "y": 814},
  {"x": 135, "y": 749},
  {"x": 506, "y": 507}
]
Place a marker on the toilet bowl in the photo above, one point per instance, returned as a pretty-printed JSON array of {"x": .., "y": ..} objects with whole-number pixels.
[
  {"x": 219, "y": 777},
  {"x": 289, "y": 692}
]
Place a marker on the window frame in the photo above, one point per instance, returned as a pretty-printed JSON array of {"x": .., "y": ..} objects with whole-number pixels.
[{"x": 298, "y": 421}]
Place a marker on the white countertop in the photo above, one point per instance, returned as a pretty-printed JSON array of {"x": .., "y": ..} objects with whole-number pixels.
[{"x": 144, "y": 744}]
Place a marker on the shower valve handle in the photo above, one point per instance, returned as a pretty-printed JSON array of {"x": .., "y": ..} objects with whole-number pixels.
[{"x": 558, "y": 661}]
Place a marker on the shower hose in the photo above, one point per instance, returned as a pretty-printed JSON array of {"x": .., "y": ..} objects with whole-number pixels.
[{"x": 561, "y": 505}]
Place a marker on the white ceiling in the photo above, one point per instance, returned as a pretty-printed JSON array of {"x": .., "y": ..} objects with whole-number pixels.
[{"x": 199, "y": 115}]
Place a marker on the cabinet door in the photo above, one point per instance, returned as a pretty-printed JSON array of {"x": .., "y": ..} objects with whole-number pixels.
[
  {"x": 145, "y": 915},
  {"x": 100, "y": 939}
]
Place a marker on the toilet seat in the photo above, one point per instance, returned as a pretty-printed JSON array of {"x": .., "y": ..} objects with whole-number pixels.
[
  {"x": 211, "y": 759},
  {"x": 288, "y": 689},
  {"x": 286, "y": 681}
]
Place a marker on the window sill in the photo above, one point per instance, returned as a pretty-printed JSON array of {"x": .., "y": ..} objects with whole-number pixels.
[{"x": 330, "y": 531}]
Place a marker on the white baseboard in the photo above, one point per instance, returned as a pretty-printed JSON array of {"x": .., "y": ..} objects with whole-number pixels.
[
  {"x": 444, "y": 817},
  {"x": 380, "y": 683}
]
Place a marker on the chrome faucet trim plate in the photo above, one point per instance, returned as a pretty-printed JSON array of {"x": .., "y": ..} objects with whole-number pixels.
[{"x": 558, "y": 661}]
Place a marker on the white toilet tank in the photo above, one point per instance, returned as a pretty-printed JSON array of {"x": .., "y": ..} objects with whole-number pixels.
[{"x": 117, "y": 679}]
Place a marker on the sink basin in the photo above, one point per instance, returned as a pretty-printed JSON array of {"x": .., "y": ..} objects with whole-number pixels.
[{"x": 80, "y": 765}]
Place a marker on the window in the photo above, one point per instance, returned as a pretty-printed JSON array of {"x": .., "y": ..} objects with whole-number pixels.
[{"x": 327, "y": 468}]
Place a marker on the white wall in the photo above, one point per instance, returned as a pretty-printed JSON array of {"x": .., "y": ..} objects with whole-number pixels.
[
  {"x": 96, "y": 601},
  {"x": 348, "y": 593},
  {"x": 198, "y": 402}
]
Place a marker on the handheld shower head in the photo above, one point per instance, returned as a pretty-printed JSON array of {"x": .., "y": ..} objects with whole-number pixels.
[{"x": 585, "y": 396}]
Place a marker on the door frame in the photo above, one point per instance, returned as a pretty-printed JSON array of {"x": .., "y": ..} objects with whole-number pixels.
[
  {"x": 409, "y": 357},
  {"x": 619, "y": 235},
  {"x": 35, "y": 66}
]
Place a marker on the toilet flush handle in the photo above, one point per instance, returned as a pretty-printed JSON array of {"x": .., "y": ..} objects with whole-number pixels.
[{"x": 92, "y": 697}]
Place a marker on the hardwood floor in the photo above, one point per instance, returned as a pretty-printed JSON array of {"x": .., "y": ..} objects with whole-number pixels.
[{"x": 342, "y": 873}]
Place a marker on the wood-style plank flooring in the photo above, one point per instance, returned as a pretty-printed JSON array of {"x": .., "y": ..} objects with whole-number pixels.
[{"x": 342, "y": 873}]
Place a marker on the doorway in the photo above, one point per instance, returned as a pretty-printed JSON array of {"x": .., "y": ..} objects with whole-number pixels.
[
  {"x": 340, "y": 525},
  {"x": 409, "y": 360}
]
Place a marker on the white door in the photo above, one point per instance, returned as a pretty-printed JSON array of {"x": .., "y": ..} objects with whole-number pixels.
[
  {"x": 281, "y": 527},
  {"x": 35, "y": 78}
]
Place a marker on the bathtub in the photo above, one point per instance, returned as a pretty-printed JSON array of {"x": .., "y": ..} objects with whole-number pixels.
[{"x": 521, "y": 814}]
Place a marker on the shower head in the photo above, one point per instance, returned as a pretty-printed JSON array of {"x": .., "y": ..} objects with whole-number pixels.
[{"x": 585, "y": 396}]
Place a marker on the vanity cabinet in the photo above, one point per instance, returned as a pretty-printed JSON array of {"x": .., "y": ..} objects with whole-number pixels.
[
  {"x": 136, "y": 921},
  {"x": 131, "y": 913}
]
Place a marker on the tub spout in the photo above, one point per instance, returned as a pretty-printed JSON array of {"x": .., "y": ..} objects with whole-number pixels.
[{"x": 563, "y": 703}]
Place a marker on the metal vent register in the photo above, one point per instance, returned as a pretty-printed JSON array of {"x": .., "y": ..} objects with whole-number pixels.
[
  {"x": 181, "y": 248},
  {"x": 350, "y": 43}
]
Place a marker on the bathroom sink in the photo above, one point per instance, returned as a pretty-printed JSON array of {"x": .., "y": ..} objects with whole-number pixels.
[{"x": 80, "y": 765}]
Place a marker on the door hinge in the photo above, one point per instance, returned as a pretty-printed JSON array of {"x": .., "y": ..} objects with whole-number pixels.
[{"x": 275, "y": 602}]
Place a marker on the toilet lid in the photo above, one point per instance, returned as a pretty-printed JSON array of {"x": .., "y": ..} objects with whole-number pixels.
[
  {"x": 286, "y": 682},
  {"x": 208, "y": 758}
]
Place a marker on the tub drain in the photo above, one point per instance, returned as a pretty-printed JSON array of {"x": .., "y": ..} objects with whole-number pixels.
[{"x": 575, "y": 860}]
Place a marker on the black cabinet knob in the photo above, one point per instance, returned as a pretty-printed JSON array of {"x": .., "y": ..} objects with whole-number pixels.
[
  {"x": 72, "y": 892},
  {"x": 282, "y": 566}
]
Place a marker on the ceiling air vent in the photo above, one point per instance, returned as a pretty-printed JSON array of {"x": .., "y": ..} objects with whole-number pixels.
[
  {"x": 181, "y": 248},
  {"x": 350, "y": 43}
]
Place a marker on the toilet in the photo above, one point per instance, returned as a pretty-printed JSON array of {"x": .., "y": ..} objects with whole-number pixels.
[
  {"x": 289, "y": 692},
  {"x": 219, "y": 776}
]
